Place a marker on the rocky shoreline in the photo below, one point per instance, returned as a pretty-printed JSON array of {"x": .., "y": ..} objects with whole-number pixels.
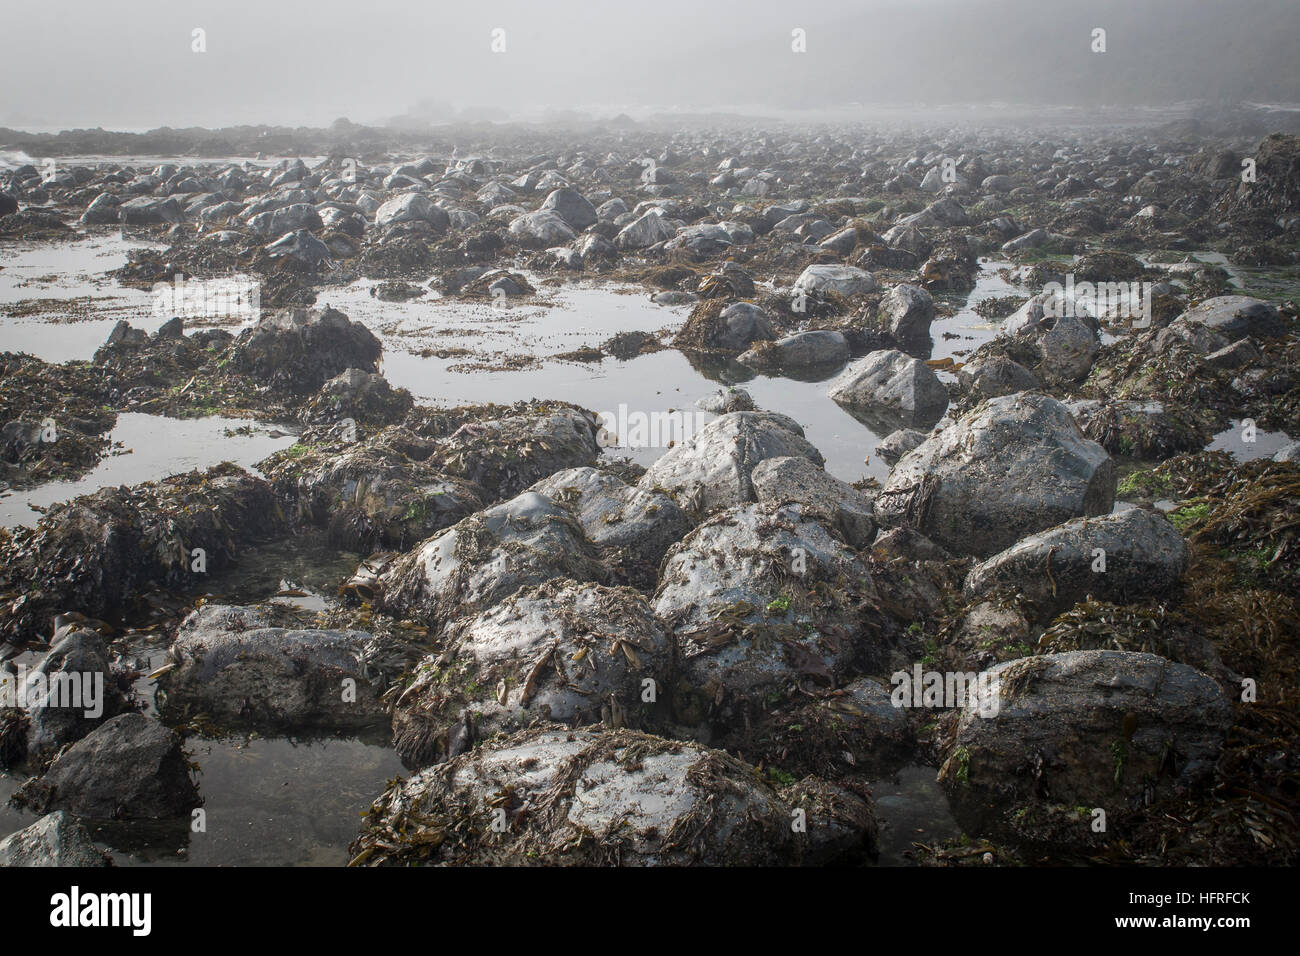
[{"x": 585, "y": 660}]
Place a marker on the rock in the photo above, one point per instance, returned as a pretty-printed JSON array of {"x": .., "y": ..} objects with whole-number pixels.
[
  {"x": 731, "y": 398},
  {"x": 1143, "y": 556},
  {"x": 739, "y": 325},
  {"x": 99, "y": 553},
  {"x": 649, "y": 229},
  {"x": 300, "y": 245},
  {"x": 898, "y": 443},
  {"x": 56, "y": 839},
  {"x": 892, "y": 386},
  {"x": 1234, "y": 317},
  {"x": 234, "y": 667},
  {"x": 704, "y": 240},
  {"x": 506, "y": 455},
  {"x": 541, "y": 228},
  {"x": 1289, "y": 452},
  {"x": 412, "y": 207},
  {"x": 8, "y": 204},
  {"x": 299, "y": 350},
  {"x": 992, "y": 376},
  {"x": 129, "y": 768},
  {"x": 1239, "y": 354},
  {"x": 1087, "y": 728},
  {"x": 634, "y": 526},
  {"x": 907, "y": 311},
  {"x": 798, "y": 480},
  {"x": 103, "y": 210},
  {"x": 1014, "y": 466},
  {"x": 364, "y": 397},
  {"x": 571, "y": 206},
  {"x": 801, "y": 350},
  {"x": 1069, "y": 348},
  {"x": 483, "y": 559},
  {"x": 147, "y": 211},
  {"x": 69, "y": 693},
  {"x": 289, "y": 218},
  {"x": 562, "y": 652},
  {"x": 762, "y": 598},
  {"x": 846, "y": 280},
  {"x": 712, "y": 468},
  {"x": 596, "y": 797}
]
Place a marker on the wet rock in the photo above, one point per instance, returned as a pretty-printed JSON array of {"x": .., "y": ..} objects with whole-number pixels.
[
  {"x": 801, "y": 350},
  {"x": 1239, "y": 354},
  {"x": 483, "y": 559},
  {"x": 763, "y": 600},
  {"x": 232, "y": 666},
  {"x": 69, "y": 693},
  {"x": 411, "y": 207},
  {"x": 855, "y": 729},
  {"x": 1289, "y": 452},
  {"x": 1068, "y": 349},
  {"x": 600, "y": 797},
  {"x": 991, "y": 376},
  {"x": 1138, "y": 429},
  {"x": 506, "y": 455},
  {"x": 56, "y": 839},
  {"x": 712, "y": 468},
  {"x": 906, "y": 312},
  {"x": 8, "y": 204},
  {"x": 634, "y": 526},
  {"x": 898, "y": 443},
  {"x": 730, "y": 399},
  {"x": 650, "y": 228},
  {"x": 563, "y": 652},
  {"x": 364, "y": 397},
  {"x": 300, "y": 245},
  {"x": 299, "y": 350},
  {"x": 731, "y": 328},
  {"x": 541, "y": 228},
  {"x": 845, "y": 280},
  {"x": 129, "y": 768},
  {"x": 1014, "y": 466},
  {"x": 1142, "y": 555},
  {"x": 99, "y": 552},
  {"x": 147, "y": 211},
  {"x": 571, "y": 206},
  {"x": 798, "y": 480},
  {"x": 1103, "y": 729},
  {"x": 1233, "y": 317},
  {"x": 103, "y": 210},
  {"x": 893, "y": 386}
]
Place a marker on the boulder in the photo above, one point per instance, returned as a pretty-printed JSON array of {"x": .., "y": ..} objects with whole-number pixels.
[
  {"x": 799, "y": 480},
  {"x": 1142, "y": 555},
  {"x": 906, "y": 312},
  {"x": 56, "y": 839},
  {"x": 846, "y": 280},
  {"x": 130, "y": 768},
  {"x": 891, "y": 386},
  {"x": 712, "y": 468},
  {"x": 1013, "y": 466},
  {"x": 562, "y": 652},
  {"x": 595, "y": 797},
  {"x": 299, "y": 350},
  {"x": 231, "y": 664},
  {"x": 801, "y": 350},
  {"x": 571, "y": 206},
  {"x": 1108, "y": 729},
  {"x": 480, "y": 561},
  {"x": 633, "y": 526}
]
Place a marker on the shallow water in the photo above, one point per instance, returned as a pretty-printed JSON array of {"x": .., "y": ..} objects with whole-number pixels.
[{"x": 147, "y": 448}]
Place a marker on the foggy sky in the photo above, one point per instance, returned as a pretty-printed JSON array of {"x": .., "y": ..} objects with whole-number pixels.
[{"x": 119, "y": 64}]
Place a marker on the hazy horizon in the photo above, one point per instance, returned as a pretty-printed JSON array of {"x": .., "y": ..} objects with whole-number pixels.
[{"x": 130, "y": 65}]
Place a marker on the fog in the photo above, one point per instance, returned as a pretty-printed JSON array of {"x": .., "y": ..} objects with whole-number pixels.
[{"x": 131, "y": 64}]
